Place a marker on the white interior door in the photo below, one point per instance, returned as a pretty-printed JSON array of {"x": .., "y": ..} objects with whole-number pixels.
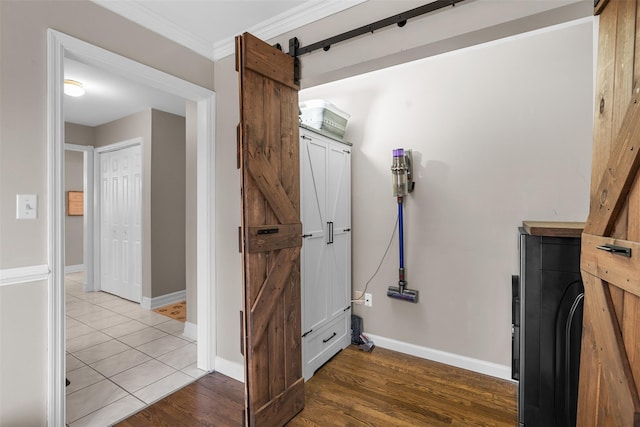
[{"x": 121, "y": 223}]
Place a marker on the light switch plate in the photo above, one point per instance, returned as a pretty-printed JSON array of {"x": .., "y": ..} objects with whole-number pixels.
[{"x": 26, "y": 206}]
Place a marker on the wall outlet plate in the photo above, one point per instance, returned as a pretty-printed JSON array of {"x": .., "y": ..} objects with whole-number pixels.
[{"x": 368, "y": 300}]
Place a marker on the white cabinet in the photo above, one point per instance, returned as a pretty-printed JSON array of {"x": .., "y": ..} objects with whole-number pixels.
[{"x": 325, "y": 173}]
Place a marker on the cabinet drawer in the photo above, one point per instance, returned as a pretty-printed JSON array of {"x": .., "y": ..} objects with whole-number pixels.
[{"x": 323, "y": 344}]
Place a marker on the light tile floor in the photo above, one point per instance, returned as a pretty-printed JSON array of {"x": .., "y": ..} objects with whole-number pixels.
[{"x": 120, "y": 357}]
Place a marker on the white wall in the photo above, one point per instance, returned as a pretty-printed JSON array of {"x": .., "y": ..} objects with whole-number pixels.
[
  {"x": 501, "y": 133},
  {"x": 228, "y": 214}
]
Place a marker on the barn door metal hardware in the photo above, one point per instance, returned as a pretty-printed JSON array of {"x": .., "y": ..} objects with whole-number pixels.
[
  {"x": 400, "y": 20},
  {"x": 615, "y": 249}
]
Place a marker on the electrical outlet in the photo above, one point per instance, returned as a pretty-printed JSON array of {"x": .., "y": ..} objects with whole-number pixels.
[
  {"x": 358, "y": 298},
  {"x": 368, "y": 300}
]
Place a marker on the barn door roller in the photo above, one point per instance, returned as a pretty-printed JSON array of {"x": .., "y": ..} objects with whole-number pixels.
[{"x": 400, "y": 19}]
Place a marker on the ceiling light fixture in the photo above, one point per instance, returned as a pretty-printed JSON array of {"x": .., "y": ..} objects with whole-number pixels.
[{"x": 73, "y": 88}]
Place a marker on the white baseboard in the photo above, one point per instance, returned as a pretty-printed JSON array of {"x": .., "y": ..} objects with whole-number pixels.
[
  {"x": 464, "y": 362},
  {"x": 155, "y": 302},
  {"x": 231, "y": 369},
  {"x": 73, "y": 268},
  {"x": 190, "y": 330},
  {"x": 33, "y": 273},
  {"x": 236, "y": 370}
]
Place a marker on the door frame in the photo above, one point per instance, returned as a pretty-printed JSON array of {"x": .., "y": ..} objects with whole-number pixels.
[
  {"x": 97, "y": 204},
  {"x": 57, "y": 44}
]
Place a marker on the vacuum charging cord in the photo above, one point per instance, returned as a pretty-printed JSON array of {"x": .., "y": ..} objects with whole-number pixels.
[{"x": 386, "y": 251}]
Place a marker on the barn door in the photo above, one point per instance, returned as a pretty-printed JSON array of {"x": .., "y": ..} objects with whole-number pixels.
[
  {"x": 610, "y": 358},
  {"x": 271, "y": 233}
]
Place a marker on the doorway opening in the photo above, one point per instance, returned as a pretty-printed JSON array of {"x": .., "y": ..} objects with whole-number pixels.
[{"x": 59, "y": 45}]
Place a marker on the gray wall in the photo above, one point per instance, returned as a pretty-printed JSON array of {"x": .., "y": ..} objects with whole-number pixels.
[
  {"x": 73, "y": 225},
  {"x": 490, "y": 150},
  {"x": 191, "y": 235},
  {"x": 163, "y": 193},
  {"x": 23, "y": 169},
  {"x": 167, "y": 203},
  {"x": 423, "y": 37},
  {"x": 74, "y": 181},
  {"x": 79, "y": 134},
  {"x": 135, "y": 126}
]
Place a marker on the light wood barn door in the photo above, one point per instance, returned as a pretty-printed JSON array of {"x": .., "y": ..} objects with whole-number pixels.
[
  {"x": 610, "y": 358},
  {"x": 271, "y": 233}
]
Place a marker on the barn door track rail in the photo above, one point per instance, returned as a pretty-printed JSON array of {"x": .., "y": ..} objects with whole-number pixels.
[{"x": 400, "y": 20}]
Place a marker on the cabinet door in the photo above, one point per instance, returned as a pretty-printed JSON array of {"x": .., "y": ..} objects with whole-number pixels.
[
  {"x": 339, "y": 208},
  {"x": 314, "y": 272}
]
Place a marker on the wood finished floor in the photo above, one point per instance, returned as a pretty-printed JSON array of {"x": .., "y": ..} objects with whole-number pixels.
[{"x": 382, "y": 388}]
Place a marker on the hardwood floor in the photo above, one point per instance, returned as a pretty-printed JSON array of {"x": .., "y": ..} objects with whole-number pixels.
[{"x": 382, "y": 388}]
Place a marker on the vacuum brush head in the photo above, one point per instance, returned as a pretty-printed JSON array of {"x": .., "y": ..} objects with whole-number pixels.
[{"x": 402, "y": 294}]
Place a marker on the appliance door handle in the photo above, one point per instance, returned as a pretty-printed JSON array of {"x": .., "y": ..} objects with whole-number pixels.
[{"x": 329, "y": 232}]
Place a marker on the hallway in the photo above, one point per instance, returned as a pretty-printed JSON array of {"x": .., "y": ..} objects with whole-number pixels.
[{"x": 120, "y": 357}]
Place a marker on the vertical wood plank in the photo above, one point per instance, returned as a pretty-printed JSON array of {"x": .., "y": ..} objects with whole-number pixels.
[
  {"x": 293, "y": 315},
  {"x": 631, "y": 315},
  {"x": 289, "y": 148},
  {"x": 609, "y": 113},
  {"x": 275, "y": 336},
  {"x": 623, "y": 90},
  {"x": 254, "y": 212},
  {"x": 602, "y": 132},
  {"x": 618, "y": 402},
  {"x": 590, "y": 372},
  {"x": 636, "y": 59},
  {"x": 617, "y": 298},
  {"x": 631, "y": 333},
  {"x": 290, "y": 158},
  {"x": 624, "y": 61},
  {"x": 276, "y": 339},
  {"x": 607, "y": 109}
]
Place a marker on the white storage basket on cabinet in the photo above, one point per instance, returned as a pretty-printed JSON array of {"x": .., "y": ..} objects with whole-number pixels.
[{"x": 322, "y": 115}]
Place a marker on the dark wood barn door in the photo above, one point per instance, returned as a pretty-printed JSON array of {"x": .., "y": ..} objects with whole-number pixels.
[
  {"x": 610, "y": 358},
  {"x": 271, "y": 233}
]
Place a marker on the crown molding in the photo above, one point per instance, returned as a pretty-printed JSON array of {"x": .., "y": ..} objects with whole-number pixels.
[
  {"x": 297, "y": 17},
  {"x": 136, "y": 12},
  {"x": 306, "y": 13}
]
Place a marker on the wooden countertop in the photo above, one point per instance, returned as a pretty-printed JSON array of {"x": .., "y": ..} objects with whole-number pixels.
[{"x": 553, "y": 228}]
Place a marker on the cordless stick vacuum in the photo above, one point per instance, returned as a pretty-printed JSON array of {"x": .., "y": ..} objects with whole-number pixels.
[{"x": 402, "y": 175}]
